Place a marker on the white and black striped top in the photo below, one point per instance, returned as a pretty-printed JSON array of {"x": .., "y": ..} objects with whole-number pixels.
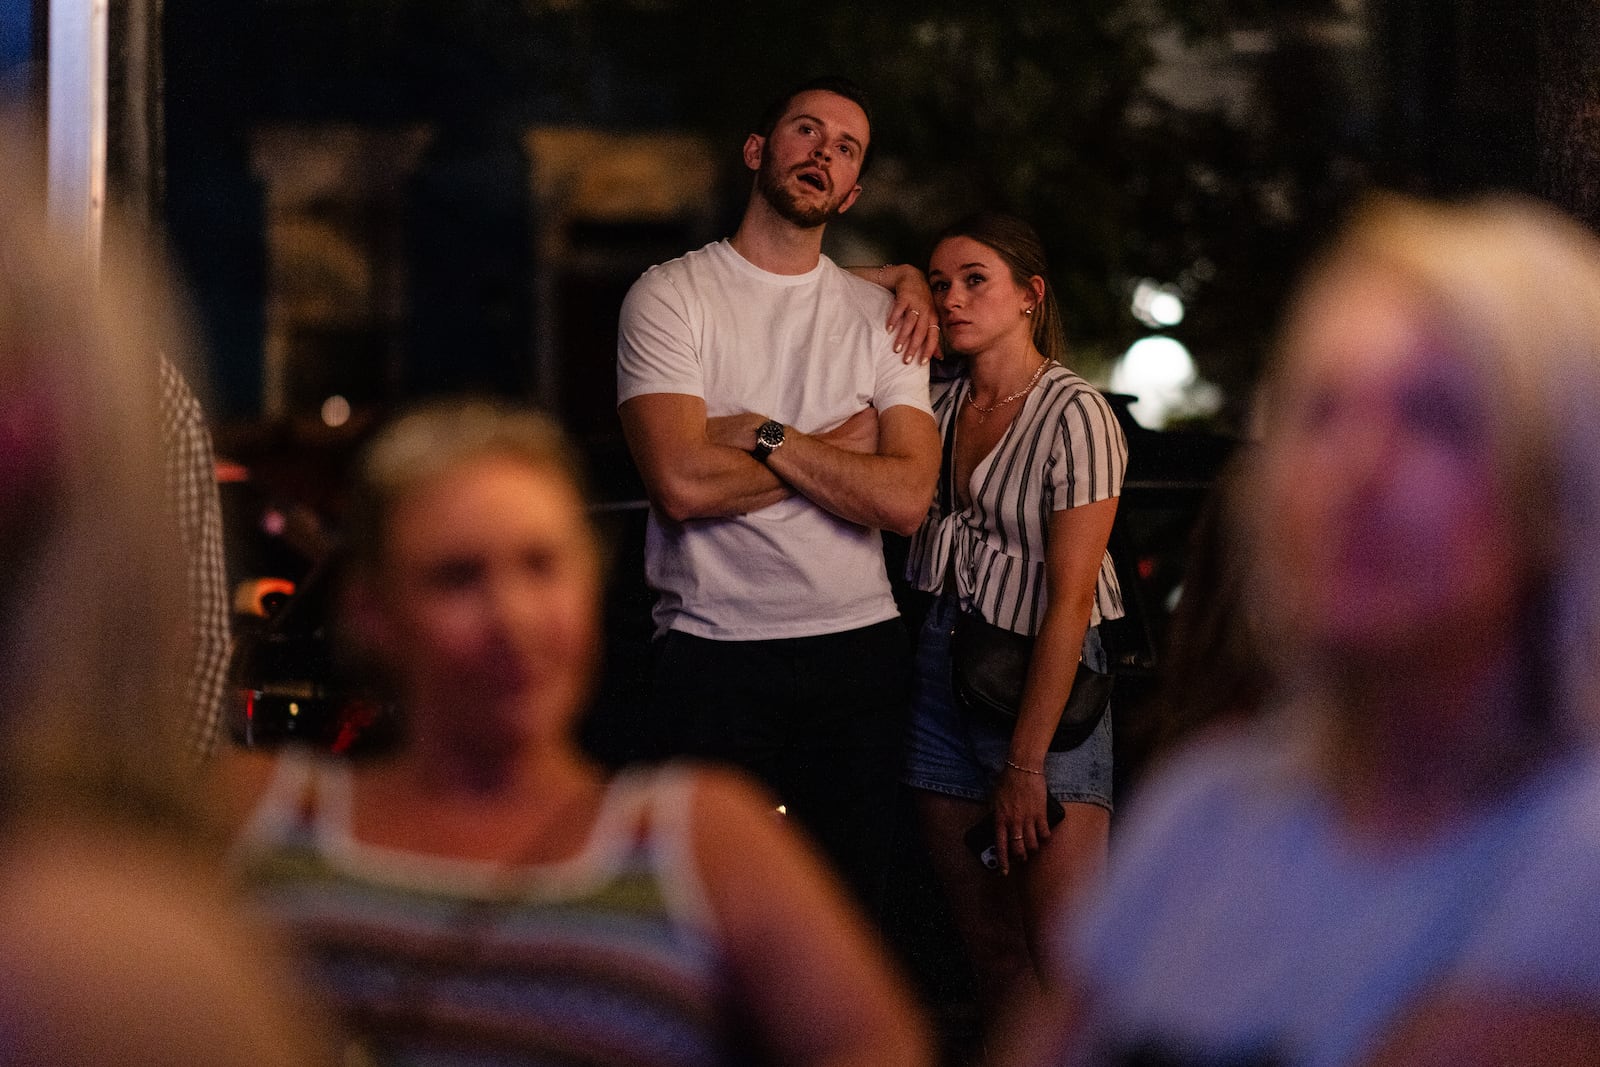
[{"x": 1065, "y": 449}]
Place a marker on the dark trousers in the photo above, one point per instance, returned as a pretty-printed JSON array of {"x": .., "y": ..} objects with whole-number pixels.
[{"x": 820, "y": 720}]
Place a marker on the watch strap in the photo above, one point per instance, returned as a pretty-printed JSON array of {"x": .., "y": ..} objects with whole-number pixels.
[{"x": 769, "y": 436}]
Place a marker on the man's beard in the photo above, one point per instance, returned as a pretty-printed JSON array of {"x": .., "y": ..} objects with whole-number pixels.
[{"x": 785, "y": 203}]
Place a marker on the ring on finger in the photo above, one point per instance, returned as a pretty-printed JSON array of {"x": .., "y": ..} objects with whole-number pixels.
[{"x": 915, "y": 312}]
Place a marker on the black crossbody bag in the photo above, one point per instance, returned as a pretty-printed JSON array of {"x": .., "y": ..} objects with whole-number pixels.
[{"x": 989, "y": 664}]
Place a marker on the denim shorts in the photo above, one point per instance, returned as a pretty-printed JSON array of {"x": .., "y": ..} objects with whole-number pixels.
[{"x": 955, "y": 754}]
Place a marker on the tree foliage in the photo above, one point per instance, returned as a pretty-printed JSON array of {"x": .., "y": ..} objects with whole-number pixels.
[
  {"x": 1035, "y": 106},
  {"x": 1046, "y": 109}
]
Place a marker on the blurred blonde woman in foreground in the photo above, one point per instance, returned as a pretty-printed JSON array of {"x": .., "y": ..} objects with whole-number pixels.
[
  {"x": 118, "y": 941},
  {"x": 486, "y": 894},
  {"x": 1399, "y": 863}
]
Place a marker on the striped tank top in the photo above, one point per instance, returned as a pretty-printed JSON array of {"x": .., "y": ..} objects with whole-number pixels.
[{"x": 608, "y": 957}]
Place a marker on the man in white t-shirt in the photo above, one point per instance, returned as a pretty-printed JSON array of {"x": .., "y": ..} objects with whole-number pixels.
[{"x": 778, "y": 428}]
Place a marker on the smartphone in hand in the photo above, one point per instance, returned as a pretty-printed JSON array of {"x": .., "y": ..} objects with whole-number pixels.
[{"x": 980, "y": 839}]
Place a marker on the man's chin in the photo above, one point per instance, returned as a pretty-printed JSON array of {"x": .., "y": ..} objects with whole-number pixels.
[
  {"x": 803, "y": 217},
  {"x": 807, "y": 216}
]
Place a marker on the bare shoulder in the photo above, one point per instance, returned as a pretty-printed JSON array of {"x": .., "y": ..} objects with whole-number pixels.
[
  {"x": 742, "y": 840},
  {"x": 728, "y": 804},
  {"x": 720, "y": 791},
  {"x": 811, "y": 975}
]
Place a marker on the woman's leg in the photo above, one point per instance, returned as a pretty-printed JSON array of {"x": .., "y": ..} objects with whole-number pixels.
[
  {"x": 1053, "y": 882},
  {"x": 984, "y": 906}
]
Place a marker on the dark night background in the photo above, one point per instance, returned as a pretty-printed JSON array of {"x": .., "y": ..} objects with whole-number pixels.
[
  {"x": 403, "y": 161},
  {"x": 1042, "y": 108}
]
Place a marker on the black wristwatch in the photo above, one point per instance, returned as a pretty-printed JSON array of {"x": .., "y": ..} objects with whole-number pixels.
[{"x": 769, "y": 436}]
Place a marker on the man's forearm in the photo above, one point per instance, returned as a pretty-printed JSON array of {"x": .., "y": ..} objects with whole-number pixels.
[
  {"x": 888, "y": 490},
  {"x": 687, "y": 472},
  {"x": 722, "y": 482}
]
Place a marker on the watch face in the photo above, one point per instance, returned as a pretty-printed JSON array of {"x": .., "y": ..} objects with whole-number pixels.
[{"x": 770, "y": 434}]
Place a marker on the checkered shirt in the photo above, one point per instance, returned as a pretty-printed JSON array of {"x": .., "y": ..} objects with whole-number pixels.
[{"x": 192, "y": 494}]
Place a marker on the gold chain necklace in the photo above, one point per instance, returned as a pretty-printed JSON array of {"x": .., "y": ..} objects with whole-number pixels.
[{"x": 985, "y": 412}]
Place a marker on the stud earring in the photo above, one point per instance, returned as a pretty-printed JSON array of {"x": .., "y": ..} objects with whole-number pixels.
[{"x": 1027, "y": 311}]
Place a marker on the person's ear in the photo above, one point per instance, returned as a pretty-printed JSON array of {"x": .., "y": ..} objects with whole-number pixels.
[
  {"x": 754, "y": 146},
  {"x": 850, "y": 198}
]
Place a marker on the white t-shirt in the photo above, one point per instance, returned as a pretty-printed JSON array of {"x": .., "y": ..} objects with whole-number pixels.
[
  {"x": 1242, "y": 924},
  {"x": 809, "y": 350}
]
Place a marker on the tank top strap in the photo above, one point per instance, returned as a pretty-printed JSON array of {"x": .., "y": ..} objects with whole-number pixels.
[
  {"x": 292, "y": 804},
  {"x": 662, "y": 798}
]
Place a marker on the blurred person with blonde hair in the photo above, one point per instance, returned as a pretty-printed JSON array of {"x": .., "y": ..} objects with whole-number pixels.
[
  {"x": 485, "y": 893},
  {"x": 1398, "y": 860},
  {"x": 118, "y": 938}
]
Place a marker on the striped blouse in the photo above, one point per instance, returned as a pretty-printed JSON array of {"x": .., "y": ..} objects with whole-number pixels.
[
  {"x": 1063, "y": 450},
  {"x": 609, "y": 958}
]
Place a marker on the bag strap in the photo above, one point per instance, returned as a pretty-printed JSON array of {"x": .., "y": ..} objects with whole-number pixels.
[{"x": 947, "y": 463}]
